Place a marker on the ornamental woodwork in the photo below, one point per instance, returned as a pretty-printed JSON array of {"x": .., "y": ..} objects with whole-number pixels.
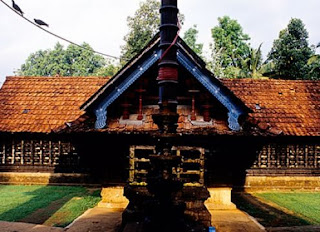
[
  {"x": 140, "y": 91},
  {"x": 193, "y": 92},
  {"x": 190, "y": 171},
  {"x": 200, "y": 75},
  {"x": 126, "y": 111},
  {"x": 38, "y": 153},
  {"x": 290, "y": 156}
]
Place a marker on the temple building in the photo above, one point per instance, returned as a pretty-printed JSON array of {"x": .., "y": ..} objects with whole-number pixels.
[
  {"x": 164, "y": 127},
  {"x": 237, "y": 133}
]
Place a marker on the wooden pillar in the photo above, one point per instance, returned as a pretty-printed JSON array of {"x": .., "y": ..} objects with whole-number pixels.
[
  {"x": 193, "y": 103},
  {"x": 131, "y": 164},
  {"x": 32, "y": 152},
  {"x": 269, "y": 156},
  {"x": 206, "y": 112},
  {"x": 12, "y": 152},
  {"x": 4, "y": 153},
  {"x": 22, "y": 152},
  {"x": 316, "y": 155},
  {"x": 306, "y": 151},
  {"x": 50, "y": 154},
  {"x": 140, "y": 91},
  {"x": 125, "y": 112}
]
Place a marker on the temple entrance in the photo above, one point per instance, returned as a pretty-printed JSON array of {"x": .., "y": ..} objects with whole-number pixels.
[
  {"x": 161, "y": 196},
  {"x": 190, "y": 171}
]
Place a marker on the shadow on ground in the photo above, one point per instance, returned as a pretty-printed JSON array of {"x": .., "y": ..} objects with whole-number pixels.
[
  {"x": 266, "y": 215},
  {"x": 42, "y": 203}
]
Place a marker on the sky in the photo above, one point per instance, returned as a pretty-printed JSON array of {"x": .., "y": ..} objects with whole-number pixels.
[{"x": 103, "y": 23}]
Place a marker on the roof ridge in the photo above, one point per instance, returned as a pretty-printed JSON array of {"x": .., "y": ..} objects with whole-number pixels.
[
  {"x": 52, "y": 77},
  {"x": 268, "y": 80}
]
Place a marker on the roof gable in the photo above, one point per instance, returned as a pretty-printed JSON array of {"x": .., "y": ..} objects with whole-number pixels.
[
  {"x": 227, "y": 99},
  {"x": 123, "y": 73},
  {"x": 149, "y": 56}
]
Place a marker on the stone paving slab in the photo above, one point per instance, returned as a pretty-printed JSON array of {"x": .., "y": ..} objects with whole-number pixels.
[
  {"x": 97, "y": 220},
  {"x": 295, "y": 229},
  {"x": 109, "y": 220},
  {"x": 234, "y": 221},
  {"x": 26, "y": 227}
]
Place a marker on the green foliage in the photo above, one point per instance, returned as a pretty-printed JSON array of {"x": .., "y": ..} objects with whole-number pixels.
[
  {"x": 190, "y": 37},
  {"x": 142, "y": 27},
  {"x": 252, "y": 66},
  {"x": 314, "y": 65},
  {"x": 73, "y": 61},
  {"x": 215, "y": 64},
  {"x": 230, "y": 43},
  {"x": 108, "y": 70},
  {"x": 290, "y": 52}
]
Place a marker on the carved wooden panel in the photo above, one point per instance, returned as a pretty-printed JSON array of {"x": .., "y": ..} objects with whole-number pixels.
[
  {"x": 28, "y": 152},
  {"x": 38, "y": 153},
  {"x": 190, "y": 171},
  {"x": 292, "y": 156},
  {"x": 2, "y": 153},
  {"x": 139, "y": 163}
]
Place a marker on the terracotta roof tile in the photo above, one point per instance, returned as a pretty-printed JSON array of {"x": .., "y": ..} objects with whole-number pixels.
[
  {"x": 42, "y": 104},
  {"x": 286, "y": 105}
]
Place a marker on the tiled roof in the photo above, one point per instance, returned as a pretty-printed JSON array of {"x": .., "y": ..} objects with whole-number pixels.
[
  {"x": 42, "y": 104},
  {"x": 281, "y": 106}
]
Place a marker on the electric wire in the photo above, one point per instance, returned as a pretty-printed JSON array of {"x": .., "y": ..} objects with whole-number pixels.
[{"x": 60, "y": 37}]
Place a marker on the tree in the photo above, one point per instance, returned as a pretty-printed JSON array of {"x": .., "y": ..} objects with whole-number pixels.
[
  {"x": 190, "y": 37},
  {"x": 73, "y": 61},
  {"x": 314, "y": 64},
  {"x": 252, "y": 66},
  {"x": 231, "y": 43},
  {"x": 290, "y": 52},
  {"x": 108, "y": 70},
  {"x": 142, "y": 27}
]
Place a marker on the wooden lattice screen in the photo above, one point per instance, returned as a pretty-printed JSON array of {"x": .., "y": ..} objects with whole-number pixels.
[
  {"x": 190, "y": 171},
  {"x": 42, "y": 153},
  {"x": 288, "y": 156}
]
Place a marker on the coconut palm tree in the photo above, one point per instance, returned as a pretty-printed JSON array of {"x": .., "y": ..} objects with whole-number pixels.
[
  {"x": 314, "y": 64},
  {"x": 251, "y": 66}
]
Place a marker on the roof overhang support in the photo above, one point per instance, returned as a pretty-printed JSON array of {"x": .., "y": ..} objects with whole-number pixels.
[
  {"x": 234, "y": 110},
  {"x": 101, "y": 110}
]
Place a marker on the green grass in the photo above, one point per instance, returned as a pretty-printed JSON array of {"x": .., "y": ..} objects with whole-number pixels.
[
  {"x": 21, "y": 203},
  {"x": 267, "y": 215},
  {"x": 303, "y": 204},
  {"x": 73, "y": 209}
]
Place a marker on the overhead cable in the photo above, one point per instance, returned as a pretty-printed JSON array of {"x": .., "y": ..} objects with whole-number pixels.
[{"x": 60, "y": 37}]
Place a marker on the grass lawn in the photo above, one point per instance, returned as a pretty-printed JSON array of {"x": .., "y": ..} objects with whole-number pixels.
[
  {"x": 278, "y": 209},
  {"x": 304, "y": 204},
  {"x": 50, "y": 205}
]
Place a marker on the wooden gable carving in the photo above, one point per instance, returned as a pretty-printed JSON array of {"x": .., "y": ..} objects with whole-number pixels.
[{"x": 127, "y": 95}]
